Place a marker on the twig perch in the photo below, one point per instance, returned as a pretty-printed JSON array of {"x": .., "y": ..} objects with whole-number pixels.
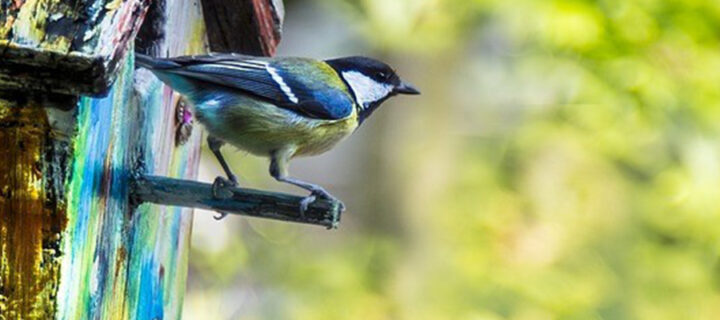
[{"x": 249, "y": 202}]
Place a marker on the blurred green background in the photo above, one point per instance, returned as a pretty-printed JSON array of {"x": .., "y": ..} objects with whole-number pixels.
[{"x": 563, "y": 162}]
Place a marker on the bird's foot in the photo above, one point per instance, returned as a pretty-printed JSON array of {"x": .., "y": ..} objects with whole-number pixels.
[
  {"x": 221, "y": 189},
  {"x": 304, "y": 203},
  {"x": 319, "y": 194}
]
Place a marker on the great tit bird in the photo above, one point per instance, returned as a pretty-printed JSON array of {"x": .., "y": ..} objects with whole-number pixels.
[{"x": 280, "y": 107}]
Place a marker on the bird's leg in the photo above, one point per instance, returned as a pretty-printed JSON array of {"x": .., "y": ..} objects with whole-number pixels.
[
  {"x": 278, "y": 170},
  {"x": 220, "y": 185},
  {"x": 215, "y": 144}
]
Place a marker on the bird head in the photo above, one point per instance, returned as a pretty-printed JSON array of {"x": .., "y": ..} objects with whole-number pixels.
[{"x": 370, "y": 81}]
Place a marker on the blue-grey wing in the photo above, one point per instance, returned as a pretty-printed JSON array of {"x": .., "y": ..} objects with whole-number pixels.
[{"x": 308, "y": 87}]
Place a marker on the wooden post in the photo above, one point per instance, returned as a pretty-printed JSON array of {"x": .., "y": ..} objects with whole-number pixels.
[
  {"x": 77, "y": 124},
  {"x": 33, "y": 215},
  {"x": 72, "y": 245}
]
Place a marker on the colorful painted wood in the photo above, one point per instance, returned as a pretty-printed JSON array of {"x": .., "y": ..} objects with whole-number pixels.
[
  {"x": 74, "y": 241},
  {"x": 32, "y": 216},
  {"x": 64, "y": 46},
  {"x": 71, "y": 244},
  {"x": 115, "y": 248}
]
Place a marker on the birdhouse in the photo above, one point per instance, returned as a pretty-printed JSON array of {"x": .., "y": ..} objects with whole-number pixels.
[{"x": 86, "y": 140}]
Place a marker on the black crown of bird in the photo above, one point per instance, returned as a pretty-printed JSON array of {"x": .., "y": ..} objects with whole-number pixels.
[{"x": 279, "y": 107}]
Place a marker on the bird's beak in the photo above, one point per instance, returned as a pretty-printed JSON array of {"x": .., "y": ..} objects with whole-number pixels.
[{"x": 406, "y": 88}]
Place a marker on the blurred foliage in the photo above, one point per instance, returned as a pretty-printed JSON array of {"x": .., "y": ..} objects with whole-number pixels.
[{"x": 563, "y": 162}]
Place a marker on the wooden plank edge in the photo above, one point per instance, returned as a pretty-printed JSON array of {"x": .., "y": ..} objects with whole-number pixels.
[{"x": 74, "y": 73}]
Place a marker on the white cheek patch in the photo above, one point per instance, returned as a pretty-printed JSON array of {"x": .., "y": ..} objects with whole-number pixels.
[{"x": 365, "y": 88}]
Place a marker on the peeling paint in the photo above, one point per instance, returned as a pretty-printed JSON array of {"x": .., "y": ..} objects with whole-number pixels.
[
  {"x": 29, "y": 25},
  {"x": 72, "y": 246},
  {"x": 30, "y": 224},
  {"x": 113, "y": 249},
  {"x": 68, "y": 47}
]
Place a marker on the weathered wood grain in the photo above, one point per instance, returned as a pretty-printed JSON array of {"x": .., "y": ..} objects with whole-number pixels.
[
  {"x": 65, "y": 46},
  {"x": 245, "y": 26},
  {"x": 248, "y": 202},
  {"x": 121, "y": 261},
  {"x": 31, "y": 216},
  {"x": 71, "y": 244}
]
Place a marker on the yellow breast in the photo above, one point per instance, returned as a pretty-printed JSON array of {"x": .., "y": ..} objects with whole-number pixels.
[
  {"x": 262, "y": 128},
  {"x": 325, "y": 135}
]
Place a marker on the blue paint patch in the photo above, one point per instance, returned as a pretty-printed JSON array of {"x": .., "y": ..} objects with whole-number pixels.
[
  {"x": 115, "y": 266},
  {"x": 150, "y": 305}
]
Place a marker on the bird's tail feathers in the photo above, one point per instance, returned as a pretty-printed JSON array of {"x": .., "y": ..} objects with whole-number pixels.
[{"x": 148, "y": 62}]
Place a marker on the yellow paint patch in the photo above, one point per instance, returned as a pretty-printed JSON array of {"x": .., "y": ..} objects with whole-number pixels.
[
  {"x": 61, "y": 44},
  {"x": 29, "y": 29},
  {"x": 29, "y": 227},
  {"x": 114, "y": 5},
  {"x": 6, "y": 27}
]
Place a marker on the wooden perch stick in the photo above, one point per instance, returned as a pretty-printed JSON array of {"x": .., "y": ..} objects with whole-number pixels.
[{"x": 249, "y": 202}]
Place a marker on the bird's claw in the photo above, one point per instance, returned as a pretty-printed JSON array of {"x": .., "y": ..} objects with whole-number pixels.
[
  {"x": 305, "y": 202},
  {"x": 325, "y": 195},
  {"x": 319, "y": 194},
  {"x": 221, "y": 190},
  {"x": 221, "y": 187},
  {"x": 341, "y": 205}
]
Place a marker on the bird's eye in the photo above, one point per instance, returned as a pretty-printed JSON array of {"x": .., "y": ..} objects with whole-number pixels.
[{"x": 382, "y": 75}]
